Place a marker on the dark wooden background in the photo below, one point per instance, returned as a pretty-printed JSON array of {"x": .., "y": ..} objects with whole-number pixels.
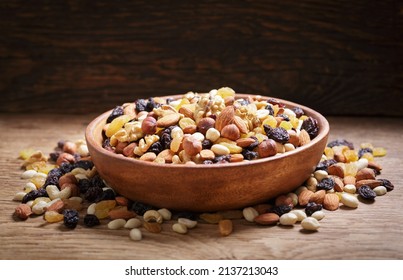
[{"x": 340, "y": 57}]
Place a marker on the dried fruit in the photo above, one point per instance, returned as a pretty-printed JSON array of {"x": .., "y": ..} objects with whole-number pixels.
[
  {"x": 70, "y": 218},
  {"x": 366, "y": 193},
  {"x": 312, "y": 207},
  {"x": 326, "y": 184}
]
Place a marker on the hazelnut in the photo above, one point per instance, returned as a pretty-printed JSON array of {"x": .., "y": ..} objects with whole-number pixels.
[
  {"x": 149, "y": 125},
  {"x": 267, "y": 148},
  {"x": 231, "y": 132},
  {"x": 204, "y": 124},
  {"x": 65, "y": 157},
  {"x": 192, "y": 145},
  {"x": 69, "y": 147}
]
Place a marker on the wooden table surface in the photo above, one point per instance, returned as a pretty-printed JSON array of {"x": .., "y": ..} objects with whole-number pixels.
[{"x": 372, "y": 231}]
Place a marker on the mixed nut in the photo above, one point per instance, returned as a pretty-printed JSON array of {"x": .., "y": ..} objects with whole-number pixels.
[
  {"x": 197, "y": 129},
  {"x": 215, "y": 127}
]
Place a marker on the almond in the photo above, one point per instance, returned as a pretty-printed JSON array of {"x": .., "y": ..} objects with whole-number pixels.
[
  {"x": 121, "y": 213},
  {"x": 245, "y": 142},
  {"x": 365, "y": 173},
  {"x": 239, "y": 122},
  {"x": 318, "y": 197},
  {"x": 372, "y": 183},
  {"x": 304, "y": 137},
  {"x": 57, "y": 206},
  {"x": 374, "y": 166},
  {"x": 168, "y": 120},
  {"x": 304, "y": 197},
  {"x": 331, "y": 201},
  {"x": 349, "y": 180},
  {"x": 336, "y": 169},
  {"x": 152, "y": 227},
  {"x": 338, "y": 183},
  {"x": 267, "y": 219},
  {"x": 226, "y": 117}
]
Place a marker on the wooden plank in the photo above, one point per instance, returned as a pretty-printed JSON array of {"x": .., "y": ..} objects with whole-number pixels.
[
  {"x": 339, "y": 57},
  {"x": 373, "y": 231}
]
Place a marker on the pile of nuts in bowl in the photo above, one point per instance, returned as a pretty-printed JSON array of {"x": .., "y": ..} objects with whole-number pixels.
[
  {"x": 197, "y": 129},
  {"x": 208, "y": 128}
]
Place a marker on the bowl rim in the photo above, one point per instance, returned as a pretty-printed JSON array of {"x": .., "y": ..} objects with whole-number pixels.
[{"x": 324, "y": 129}]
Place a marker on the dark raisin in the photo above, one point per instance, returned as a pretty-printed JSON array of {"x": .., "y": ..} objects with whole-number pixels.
[
  {"x": 252, "y": 146},
  {"x": 84, "y": 164},
  {"x": 278, "y": 134},
  {"x": 222, "y": 159},
  {"x": 284, "y": 117},
  {"x": 93, "y": 194},
  {"x": 361, "y": 152},
  {"x": 165, "y": 138},
  {"x": 298, "y": 111},
  {"x": 207, "y": 161},
  {"x": 91, "y": 220},
  {"x": 151, "y": 105},
  {"x": 53, "y": 177},
  {"x": 206, "y": 144},
  {"x": 341, "y": 142},
  {"x": 84, "y": 185},
  {"x": 326, "y": 184},
  {"x": 54, "y": 156},
  {"x": 66, "y": 167},
  {"x": 366, "y": 192},
  {"x": 312, "y": 207},
  {"x": 311, "y": 126},
  {"x": 116, "y": 112},
  {"x": 155, "y": 148},
  {"x": 270, "y": 109},
  {"x": 249, "y": 155},
  {"x": 97, "y": 182},
  {"x": 107, "y": 145},
  {"x": 140, "y": 208},
  {"x": 107, "y": 194},
  {"x": 60, "y": 144},
  {"x": 276, "y": 102},
  {"x": 387, "y": 184},
  {"x": 32, "y": 195},
  {"x": 281, "y": 209},
  {"x": 324, "y": 165},
  {"x": 141, "y": 105},
  {"x": 70, "y": 218}
]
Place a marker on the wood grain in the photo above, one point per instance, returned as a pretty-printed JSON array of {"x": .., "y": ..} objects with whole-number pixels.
[
  {"x": 373, "y": 231},
  {"x": 338, "y": 57}
]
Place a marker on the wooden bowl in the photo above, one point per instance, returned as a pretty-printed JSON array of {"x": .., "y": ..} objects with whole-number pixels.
[{"x": 201, "y": 187}]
